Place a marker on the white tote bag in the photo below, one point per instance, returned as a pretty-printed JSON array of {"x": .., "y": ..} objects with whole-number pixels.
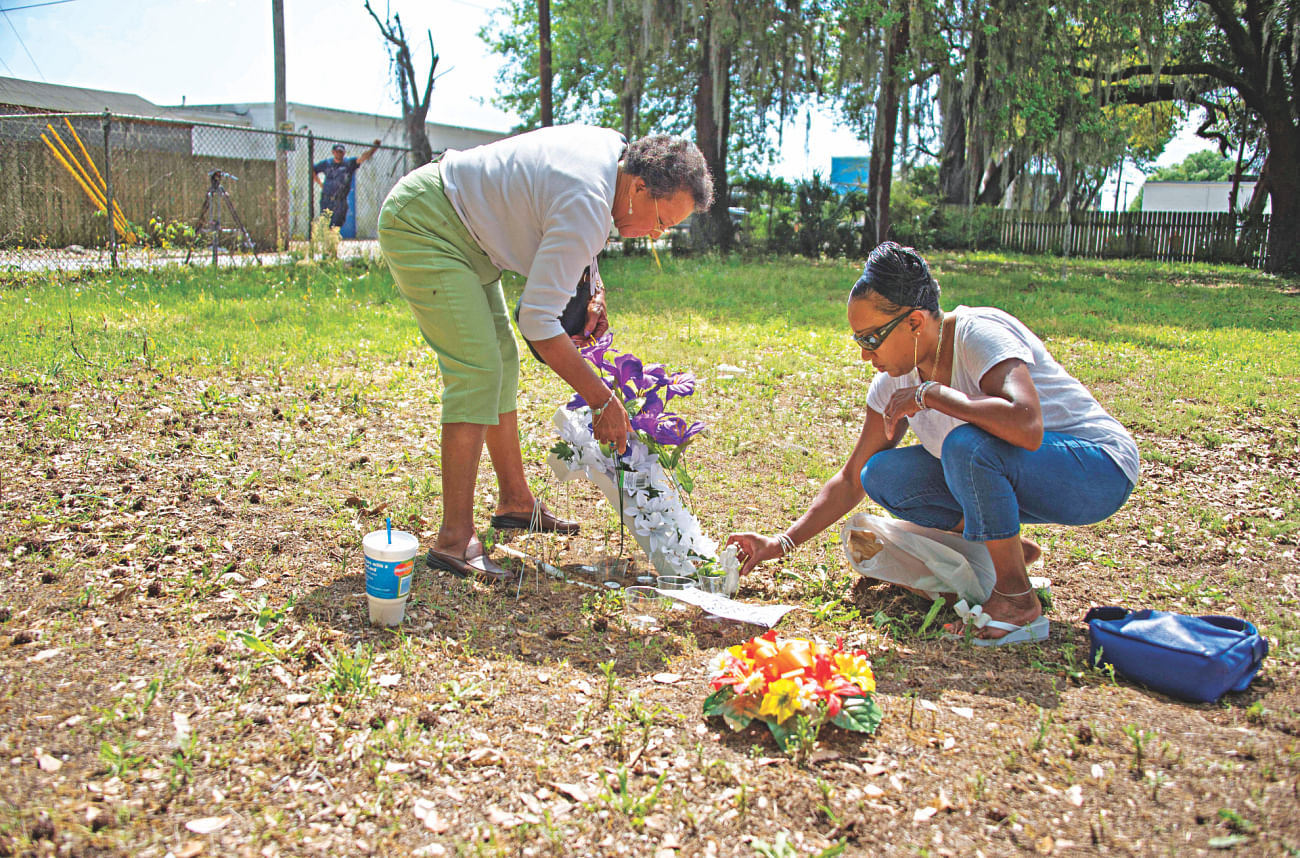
[{"x": 924, "y": 558}]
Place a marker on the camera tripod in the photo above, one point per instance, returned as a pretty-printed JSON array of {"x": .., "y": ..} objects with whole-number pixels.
[{"x": 209, "y": 219}]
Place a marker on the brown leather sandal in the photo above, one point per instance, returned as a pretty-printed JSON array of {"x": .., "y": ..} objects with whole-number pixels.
[
  {"x": 479, "y": 567},
  {"x": 543, "y": 522}
]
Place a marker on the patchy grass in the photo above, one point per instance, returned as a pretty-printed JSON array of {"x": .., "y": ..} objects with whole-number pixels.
[{"x": 187, "y": 465}]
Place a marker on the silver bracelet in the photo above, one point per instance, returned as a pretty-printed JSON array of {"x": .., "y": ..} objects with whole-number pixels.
[
  {"x": 921, "y": 390},
  {"x": 787, "y": 544},
  {"x": 599, "y": 412},
  {"x": 1012, "y": 595}
]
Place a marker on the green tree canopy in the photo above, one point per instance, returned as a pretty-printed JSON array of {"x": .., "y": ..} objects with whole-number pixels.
[
  {"x": 730, "y": 70},
  {"x": 1204, "y": 166}
]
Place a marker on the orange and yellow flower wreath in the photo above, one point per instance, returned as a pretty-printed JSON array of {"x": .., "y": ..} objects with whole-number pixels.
[{"x": 776, "y": 681}]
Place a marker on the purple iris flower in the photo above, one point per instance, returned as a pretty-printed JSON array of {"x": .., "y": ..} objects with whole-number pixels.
[
  {"x": 627, "y": 374},
  {"x": 679, "y": 384},
  {"x": 645, "y": 423},
  {"x": 673, "y": 431},
  {"x": 578, "y": 401},
  {"x": 596, "y": 351},
  {"x": 647, "y": 419},
  {"x": 653, "y": 377}
]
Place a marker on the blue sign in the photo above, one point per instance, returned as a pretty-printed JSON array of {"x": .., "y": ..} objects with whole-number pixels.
[{"x": 850, "y": 172}]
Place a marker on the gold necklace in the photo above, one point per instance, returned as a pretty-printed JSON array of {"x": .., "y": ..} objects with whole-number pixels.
[{"x": 938, "y": 346}]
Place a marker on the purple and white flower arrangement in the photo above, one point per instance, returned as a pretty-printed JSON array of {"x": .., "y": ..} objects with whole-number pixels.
[{"x": 651, "y": 473}]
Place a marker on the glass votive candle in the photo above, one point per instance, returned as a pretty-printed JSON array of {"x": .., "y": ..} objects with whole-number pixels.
[
  {"x": 643, "y": 608},
  {"x": 676, "y": 582},
  {"x": 714, "y": 584}
]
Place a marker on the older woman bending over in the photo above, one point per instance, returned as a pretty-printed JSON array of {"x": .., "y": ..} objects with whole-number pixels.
[{"x": 539, "y": 204}]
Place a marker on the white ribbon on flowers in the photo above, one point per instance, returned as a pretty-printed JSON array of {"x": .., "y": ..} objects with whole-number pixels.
[
  {"x": 975, "y": 615},
  {"x": 662, "y": 525}
]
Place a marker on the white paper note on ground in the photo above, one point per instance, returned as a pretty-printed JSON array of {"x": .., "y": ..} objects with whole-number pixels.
[{"x": 766, "y": 616}]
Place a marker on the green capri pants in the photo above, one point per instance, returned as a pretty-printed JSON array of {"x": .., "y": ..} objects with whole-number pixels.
[{"x": 455, "y": 292}]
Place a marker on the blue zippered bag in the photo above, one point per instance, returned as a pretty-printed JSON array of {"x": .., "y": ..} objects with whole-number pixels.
[{"x": 1192, "y": 658}]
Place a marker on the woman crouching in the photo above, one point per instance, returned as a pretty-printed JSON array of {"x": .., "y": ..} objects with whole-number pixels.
[{"x": 1007, "y": 436}]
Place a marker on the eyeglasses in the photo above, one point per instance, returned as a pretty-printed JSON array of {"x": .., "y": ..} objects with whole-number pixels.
[{"x": 873, "y": 340}]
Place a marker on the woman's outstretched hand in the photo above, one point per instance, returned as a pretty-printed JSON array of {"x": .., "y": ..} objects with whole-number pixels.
[
  {"x": 612, "y": 425},
  {"x": 753, "y": 549}
]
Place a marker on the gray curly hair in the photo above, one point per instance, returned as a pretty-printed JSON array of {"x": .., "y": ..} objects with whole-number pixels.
[{"x": 668, "y": 165}]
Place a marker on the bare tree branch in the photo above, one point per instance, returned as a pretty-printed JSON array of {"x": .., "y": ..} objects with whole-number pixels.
[
  {"x": 1222, "y": 74},
  {"x": 415, "y": 109},
  {"x": 428, "y": 85}
]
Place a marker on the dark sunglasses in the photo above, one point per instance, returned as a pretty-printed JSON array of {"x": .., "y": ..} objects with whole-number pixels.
[{"x": 872, "y": 341}]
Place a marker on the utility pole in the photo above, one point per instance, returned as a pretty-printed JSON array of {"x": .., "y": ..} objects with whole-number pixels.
[
  {"x": 282, "y": 143},
  {"x": 1119, "y": 181}
]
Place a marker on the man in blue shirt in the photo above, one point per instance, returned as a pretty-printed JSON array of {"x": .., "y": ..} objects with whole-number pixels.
[{"x": 338, "y": 172}]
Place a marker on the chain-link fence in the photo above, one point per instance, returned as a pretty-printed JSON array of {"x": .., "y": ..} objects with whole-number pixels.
[{"x": 90, "y": 191}]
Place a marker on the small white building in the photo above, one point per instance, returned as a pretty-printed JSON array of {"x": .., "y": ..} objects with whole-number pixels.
[
  {"x": 1195, "y": 196},
  {"x": 203, "y": 132},
  {"x": 327, "y": 126}
]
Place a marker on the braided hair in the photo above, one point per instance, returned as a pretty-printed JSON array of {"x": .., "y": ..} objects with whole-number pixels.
[{"x": 899, "y": 277}]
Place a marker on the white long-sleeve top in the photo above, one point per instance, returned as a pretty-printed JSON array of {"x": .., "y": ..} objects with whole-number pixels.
[{"x": 540, "y": 204}]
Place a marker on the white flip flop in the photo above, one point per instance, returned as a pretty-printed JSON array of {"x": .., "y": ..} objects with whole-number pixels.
[{"x": 1035, "y": 631}]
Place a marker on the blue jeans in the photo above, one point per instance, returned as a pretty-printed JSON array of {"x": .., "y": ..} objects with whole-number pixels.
[
  {"x": 338, "y": 207},
  {"x": 995, "y": 486}
]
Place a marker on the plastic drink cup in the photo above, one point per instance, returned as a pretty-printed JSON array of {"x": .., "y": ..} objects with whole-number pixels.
[
  {"x": 390, "y": 560},
  {"x": 386, "y": 612},
  {"x": 719, "y": 584}
]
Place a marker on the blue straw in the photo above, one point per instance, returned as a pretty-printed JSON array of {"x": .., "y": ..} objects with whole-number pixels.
[{"x": 389, "y": 521}]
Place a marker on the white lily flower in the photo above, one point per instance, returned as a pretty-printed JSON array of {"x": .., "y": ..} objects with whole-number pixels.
[
  {"x": 639, "y": 456},
  {"x": 648, "y": 524},
  {"x": 659, "y": 477},
  {"x": 704, "y": 546}
]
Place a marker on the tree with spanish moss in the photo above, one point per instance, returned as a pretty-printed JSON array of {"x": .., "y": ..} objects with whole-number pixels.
[
  {"x": 600, "y": 65},
  {"x": 1015, "y": 113},
  {"x": 1225, "y": 56},
  {"x": 728, "y": 70}
]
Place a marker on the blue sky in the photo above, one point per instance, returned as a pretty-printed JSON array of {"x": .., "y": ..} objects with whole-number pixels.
[{"x": 220, "y": 51}]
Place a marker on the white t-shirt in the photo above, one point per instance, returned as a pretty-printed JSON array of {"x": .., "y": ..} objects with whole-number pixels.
[
  {"x": 540, "y": 204},
  {"x": 983, "y": 338}
]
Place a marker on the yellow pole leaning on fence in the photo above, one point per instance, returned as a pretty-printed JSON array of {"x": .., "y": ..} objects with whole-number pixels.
[
  {"x": 118, "y": 220},
  {"x": 99, "y": 204},
  {"x": 103, "y": 186},
  {"x": 81, "y": 171},
  {"x": 95, "y": 198},
  {"x": 82, "y": 147}
]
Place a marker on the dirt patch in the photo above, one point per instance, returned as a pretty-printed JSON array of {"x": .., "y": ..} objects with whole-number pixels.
[{"x": 188, "y": 667}]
